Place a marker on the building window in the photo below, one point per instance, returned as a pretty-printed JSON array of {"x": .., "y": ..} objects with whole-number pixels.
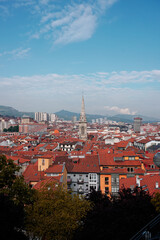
[
  {"x": 82, "y": 130},
  {"x": 92, "y": 186},
  {"x": 106, "y": 190},
  {"x": 43, "y": 162},
  {"x": 130, "y": 169},
  {"x": 115, "y": 179},
  {"x": 106, "y": 180},
  {"x": 152, "y": 166},
  {"x": 92, "y": 177},
  {"x": 157, "y": 185},
  {"x": 115, "y": 189}
]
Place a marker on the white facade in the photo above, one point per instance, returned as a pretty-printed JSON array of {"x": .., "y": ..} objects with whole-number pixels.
[
  {"x": 41, "y": 116},
  {"x": 52, "y": 117},
  {"x": 3, "y": 124}
]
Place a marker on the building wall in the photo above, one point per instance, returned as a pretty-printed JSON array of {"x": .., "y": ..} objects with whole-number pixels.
[
  {"x": 83, "y": 131},
  {"x": 3, "y": 124},
  {"x": 44, "y": 163},
  {"x": 137, "y": 124},
  {"x": 31, "y": 128},
  {"x": 81, "y": 181},
  {"x": 64, "y": 177},
  {"x": 103, "y": 185}
]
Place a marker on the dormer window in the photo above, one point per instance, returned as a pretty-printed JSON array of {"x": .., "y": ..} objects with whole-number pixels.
[
  {"x": 130, "y": 169},
  {"x": 157, "y": 185},
  {"x": 152, "y": 166}
]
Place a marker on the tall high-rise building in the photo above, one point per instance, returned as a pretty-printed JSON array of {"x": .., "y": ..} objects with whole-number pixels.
[
  {"x": 83, "y": 123},
  {"x": 137, "y": 124},
  {"x": 52, "y": 117},
  {"x": 41, "y": 116},
  {"x": 3, "y": 124}
]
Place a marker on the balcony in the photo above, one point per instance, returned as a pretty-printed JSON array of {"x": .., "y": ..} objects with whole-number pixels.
[
  {"x": 80, "y": 190},
  {"x": 80, "y": 181}
]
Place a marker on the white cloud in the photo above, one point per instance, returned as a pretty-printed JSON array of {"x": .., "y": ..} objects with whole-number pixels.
[
  {"x": 23, "y": 3},
  {"x": 77, "y": 27},
  {"x": 95, "y": 81},
  {"x": 4, "y": 11},
  {"x": 16, "y": 53},
  {"x": 120, "y": 110},
  {"x": 100, "y": 90},
  {"x": 63, "y": 22},
  {"x": 72, "y": 22},
  {"x": 106, "y": 3},
  {"x": 44, "y": 2}
]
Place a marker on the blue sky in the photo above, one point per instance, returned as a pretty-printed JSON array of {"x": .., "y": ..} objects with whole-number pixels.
[{"x": 53, "y": 50}]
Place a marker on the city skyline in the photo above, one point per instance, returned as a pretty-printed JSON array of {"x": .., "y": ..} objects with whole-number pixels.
[{"x": 52, "y": 51}]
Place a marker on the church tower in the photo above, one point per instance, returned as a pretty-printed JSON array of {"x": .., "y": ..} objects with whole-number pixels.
[{"x": 83, "y": 123}]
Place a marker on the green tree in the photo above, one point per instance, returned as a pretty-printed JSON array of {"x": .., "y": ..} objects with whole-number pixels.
[
  {"x": 118, "y": 218},
  {"x": 8, "y": 172},
  {"x": 156, "y": 201},
  {"x": 11, "y": 129},
  {"x": 55, "y": 214},
  {"x": 15, "y": 194}
]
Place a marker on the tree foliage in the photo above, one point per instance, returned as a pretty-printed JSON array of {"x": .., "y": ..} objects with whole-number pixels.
[
  {"x": 117, "y": 218},
  {"x": 55, "y": 214},
  {"x": 11, "y": 129},
  {"x": 156, "y": 201},
  {"x": 15, "y": 194}
]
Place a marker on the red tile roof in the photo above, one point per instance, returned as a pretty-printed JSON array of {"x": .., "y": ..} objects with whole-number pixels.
[
  {"x": 147, "y": 182},
  {"x": 47, "y": 181},
  {"x": 31, "y": 174},
  {"x": 55, "y": 168},
  {"x": 88, "y": 164},
  {"x": 107, "y": 158},
  {"x": 122, "y": 171}
]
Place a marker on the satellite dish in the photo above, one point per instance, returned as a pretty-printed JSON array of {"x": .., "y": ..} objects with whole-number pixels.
[{"x": 156, "y": 159}]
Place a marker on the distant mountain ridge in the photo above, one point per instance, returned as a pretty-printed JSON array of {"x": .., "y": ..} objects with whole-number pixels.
[
  {"x": 12, "y": 112},
  {"x": 130, "y": 118},
  {"x": 67, "y": 115}
]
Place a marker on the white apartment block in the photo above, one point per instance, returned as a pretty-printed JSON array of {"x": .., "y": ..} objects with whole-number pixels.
[
  {"x": 43, "y": 116},
  {"x": 52, "y": 117},
  {"x": 3, "y": 124}
]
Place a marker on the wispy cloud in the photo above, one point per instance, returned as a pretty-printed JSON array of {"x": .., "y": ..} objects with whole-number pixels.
[
  {"x": 16, "y": 53},
  {"x": 64, "y": 22},
  {"x": 101, "y": 81},
  {"x": 3, "y": 11}
]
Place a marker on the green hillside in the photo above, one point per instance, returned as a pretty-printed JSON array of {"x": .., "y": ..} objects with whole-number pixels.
[{"x": 12, "y": 112}]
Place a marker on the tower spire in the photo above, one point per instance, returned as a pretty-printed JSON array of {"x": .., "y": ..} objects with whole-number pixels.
[
  {"x": 83, "y": 122},
  {"x": 83, "y": 114}
]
